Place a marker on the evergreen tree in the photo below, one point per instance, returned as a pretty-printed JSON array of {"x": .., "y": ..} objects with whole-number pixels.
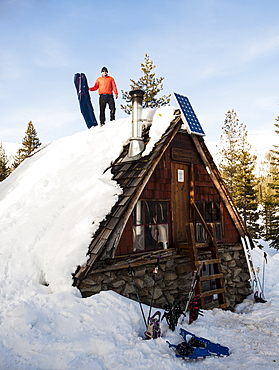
[
  {"x": 150, "y": 84},
  {"x": 237, "y": 167},
  {"x": 272, "y": 201},
  {"x": 245, "y": 193},
  {"x": 30, "y": 142},
  {"x": 229, "y": 149},
  {"x": 267, "y": 211},
  {"x": 4, "y": 168}
]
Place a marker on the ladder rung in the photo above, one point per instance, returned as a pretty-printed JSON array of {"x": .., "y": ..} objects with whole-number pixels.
[
  {"x": 202, "y": 245},
  {"x": 211, "y": 277},
  {"x": 212, "y": 292},
  {"x": 224, "y": 305},
  {"x": 181, "y": 245},
  {"x": 215, "y": 304},
  {"x": 208, "y": 262}
]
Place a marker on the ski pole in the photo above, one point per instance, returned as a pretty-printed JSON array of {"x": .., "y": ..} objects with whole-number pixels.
[
  {"x": 264, "y": 262},
  {"x": 131, "y": 272},
  {"x": 155, "y": 271}
]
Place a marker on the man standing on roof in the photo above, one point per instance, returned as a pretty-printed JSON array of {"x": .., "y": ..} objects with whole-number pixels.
[{"x": 107, "y": 87}]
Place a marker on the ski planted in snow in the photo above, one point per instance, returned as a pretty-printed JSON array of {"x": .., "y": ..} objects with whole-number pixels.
[
  {"x": 255, "y": 282},
  {"x": 195, "y": 280},
  {"x": 195, "y": 308}
]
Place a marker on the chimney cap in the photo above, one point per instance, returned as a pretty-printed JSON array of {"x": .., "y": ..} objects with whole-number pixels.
[{"x": 137, "y": 93}]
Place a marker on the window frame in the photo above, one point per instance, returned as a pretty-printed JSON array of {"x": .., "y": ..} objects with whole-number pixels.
[{"x": 146, "y": 226}]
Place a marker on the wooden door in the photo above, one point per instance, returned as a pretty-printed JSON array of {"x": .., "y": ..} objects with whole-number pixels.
[{"x": 180, "y": 201}]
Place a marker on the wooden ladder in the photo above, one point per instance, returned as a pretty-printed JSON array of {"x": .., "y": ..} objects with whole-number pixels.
[{"x": 213, "y": 264}]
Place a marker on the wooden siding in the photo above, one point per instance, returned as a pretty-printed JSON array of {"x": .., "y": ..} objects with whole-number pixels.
[{"x": 163, "y": 185}]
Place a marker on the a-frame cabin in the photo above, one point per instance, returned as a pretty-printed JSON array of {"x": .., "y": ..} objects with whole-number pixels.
[{"x": 174, "y": 205}]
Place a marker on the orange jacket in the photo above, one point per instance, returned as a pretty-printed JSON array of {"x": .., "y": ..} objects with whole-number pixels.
[{"x": 106, "y": 85}]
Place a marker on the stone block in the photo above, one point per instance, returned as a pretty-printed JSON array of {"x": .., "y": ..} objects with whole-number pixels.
[
  {"x": 244, "y": 276},
  {"x": 236, "y": 271},
  {"x": 226, "y": 256},
  {"x": 157, "y": 293},
  {"x": 128, "y": 291},
  {"x": 140, "y": 272},
  {"x": 170, "y": 276},
  {"x": 118, "y": 283},
  {"x": 139, "y": 283},
  {"x": 95, "y": 288},
  {"x": 148, "y": 281},
  {"x": 182, "y": 269},
  {"x": 236, "y": 279},
  {"x": 232, "y": 263},
  {"x": 170, "y": 265}
]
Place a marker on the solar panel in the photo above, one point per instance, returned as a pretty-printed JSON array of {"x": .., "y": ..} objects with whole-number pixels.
[{"x": 189, "y": 117}]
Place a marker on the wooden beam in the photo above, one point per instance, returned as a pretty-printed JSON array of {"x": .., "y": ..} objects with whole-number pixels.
[
  {"x": 212, "y": 292},
  {"x": 190, "y": 230},
  {"x": 211, "y": 277},
  {"x": 208, "y": 262},
  {"x": 204, "y": 224}
]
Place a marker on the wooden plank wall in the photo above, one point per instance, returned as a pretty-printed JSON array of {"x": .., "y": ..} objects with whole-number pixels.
[{"x": 181, "y": 150}]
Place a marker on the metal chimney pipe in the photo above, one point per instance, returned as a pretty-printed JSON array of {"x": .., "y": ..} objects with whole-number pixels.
[{"x": 136, "y": 141}]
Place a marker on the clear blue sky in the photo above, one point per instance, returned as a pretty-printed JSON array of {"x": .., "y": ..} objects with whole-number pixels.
[{"x": 221, "y": 54}]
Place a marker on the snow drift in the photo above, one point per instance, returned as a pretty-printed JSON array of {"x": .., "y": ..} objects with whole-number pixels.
[{"x": 49, "y": 208}]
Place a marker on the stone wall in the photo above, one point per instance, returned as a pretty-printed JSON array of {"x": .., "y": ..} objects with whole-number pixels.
[
  {"x": 236, "y": 273},
  {"x": 173, "y": 279}
]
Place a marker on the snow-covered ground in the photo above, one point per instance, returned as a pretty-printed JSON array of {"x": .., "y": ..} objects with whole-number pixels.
[{"x": 49, "y": 208}]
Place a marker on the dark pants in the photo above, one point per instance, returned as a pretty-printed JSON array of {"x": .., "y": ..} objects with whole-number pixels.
[{"x": 104, "y": 100}]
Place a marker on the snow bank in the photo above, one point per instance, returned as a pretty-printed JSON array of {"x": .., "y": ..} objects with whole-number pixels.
[{"x": 49, "y": 208}]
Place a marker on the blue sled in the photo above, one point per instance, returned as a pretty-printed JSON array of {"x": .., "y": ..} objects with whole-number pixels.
[
  {"x": 214, "y": 349},
  {"x": 86, "y": 107}
]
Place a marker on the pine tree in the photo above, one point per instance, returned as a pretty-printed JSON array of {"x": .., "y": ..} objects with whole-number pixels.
[
  {"x": 267, "y": 211},
  {"x": 30, "y": 142},
  {"x": 229, "y": 149},
  {"x": 150, "y": 84},
  {"x": 272, "y": 201},
  {"x": 237, "y": 169},
  {"x": 4, "y": 167},
  {"x": 245, "y": 193}
]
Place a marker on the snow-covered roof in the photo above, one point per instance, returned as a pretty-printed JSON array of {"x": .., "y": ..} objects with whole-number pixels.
[{"x": 53, "y": 203}]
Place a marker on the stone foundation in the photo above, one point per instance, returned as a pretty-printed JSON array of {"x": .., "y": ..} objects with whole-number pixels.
[
  {"x": 235, "y": 270},
  {"x": 173, "y": 280}
]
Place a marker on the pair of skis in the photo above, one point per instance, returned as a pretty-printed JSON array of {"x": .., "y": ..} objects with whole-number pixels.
[
  {"x": 194, "y": 347},
  {"x": 255, "y": 281}
]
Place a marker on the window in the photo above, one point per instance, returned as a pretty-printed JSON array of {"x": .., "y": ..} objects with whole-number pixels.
[
  {"x": 150, "y": 225},
  {"x": 211, "y": 213}
]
